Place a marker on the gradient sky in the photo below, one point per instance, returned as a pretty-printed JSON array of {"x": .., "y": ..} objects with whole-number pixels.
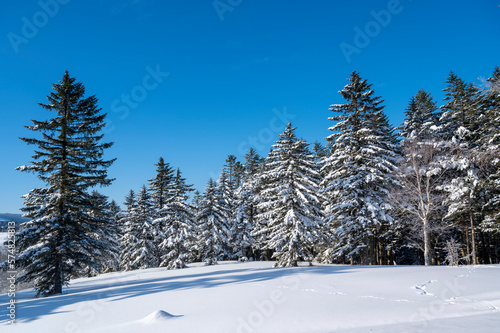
[{"x": 226, "y": 74}]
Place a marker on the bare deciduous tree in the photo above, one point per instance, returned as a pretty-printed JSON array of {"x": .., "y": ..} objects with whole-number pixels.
[{"x": 421, "y": 175}]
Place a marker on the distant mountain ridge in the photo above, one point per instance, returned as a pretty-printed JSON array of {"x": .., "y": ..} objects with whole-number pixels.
[
  {"x": 12, "y": 217},
  {"x": 9, "y": 217}
]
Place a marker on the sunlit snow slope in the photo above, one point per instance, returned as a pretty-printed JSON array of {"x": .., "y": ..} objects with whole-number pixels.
[{"x": 254, "y": 297}]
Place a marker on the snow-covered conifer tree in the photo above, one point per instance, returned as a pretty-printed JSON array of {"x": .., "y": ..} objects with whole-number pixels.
[
  {"x": 421, "y": 116},
  {"x": 213, "y": 229},
  {"x": 102, "y": 210},
  {"x": 290, "y": 202},
  {"x": 490, "y": 147},
  {"x": 358, "y": 174},
  {"x": 178, "y": 226},
  {"x": 139, "y": 249},
  {"x": 243, "y": 224},
  {"x": 161, "y": 185},
  {"x": 462, "y": 122},
  {"x": 62, "y": 237}
]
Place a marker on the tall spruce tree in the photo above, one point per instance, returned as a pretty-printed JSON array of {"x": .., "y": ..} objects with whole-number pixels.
[
  {"x": 62, "y": 237},
  {"x": 243, "y": 224},
  {"x": 358, "y": 174},
  {"x": 462, "y": 113},
  {"x": 178, "y": 226},
  {"x": 161, "y": 185},
  {"x": 421, "y": 116},
  {"x": 490, "y": 147},
  {"x": 104, "y": 211},
  {"x": 232, "y": 168},
  {"x": 290, "y": 202},
  {"x": 225, "y": 199},
  {"x": 252, "y": 163},
  {"x": 462, "y": 122},
  {"x": 196, "y": 201},
  {"x": 139, "y": 248},
  {"x": 213, "y": 228}
]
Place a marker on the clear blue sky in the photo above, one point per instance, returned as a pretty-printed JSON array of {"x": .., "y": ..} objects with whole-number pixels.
[{"x": 236, "y": 73}]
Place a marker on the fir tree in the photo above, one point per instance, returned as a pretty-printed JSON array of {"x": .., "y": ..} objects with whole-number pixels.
[
  {"x": 290, "y": 202},
  {"x": 139, "y": 246},
  {"x": 232, "y": 171},
  {"x": 252, "y": 162},
  {"x": 130, "y": 201},
  {"x": 103, "y": 211},
  {"x": 62, "y": 238},
  {"x": 243, "y": 224},
  {"x": 227, "y": 202},
  {"x": 178, "y": 224},
  {"x": 319, "y": 151},
  {"x": 462, "y": 111},
  {"x": 161, "y": 186},
  {"x": 196, "y": 201},
  {"x": 490, "y": 148},
  {"x": 421, "y": 116},
  {"x": 239, "y": 174},
  {"x": 358, "y": 174},
  {"x": 462, "y": 121},
  {"x": 114, "y": 210},
  {"x": 213, "y": 230}
]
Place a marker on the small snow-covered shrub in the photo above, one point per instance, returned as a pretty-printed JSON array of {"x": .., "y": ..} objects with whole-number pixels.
[{"x": 210, "y": 261}]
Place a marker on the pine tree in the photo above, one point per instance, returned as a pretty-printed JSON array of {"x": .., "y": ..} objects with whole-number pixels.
[
  {"x": 196, "y": 201},
  {"x": 62, "y": 237},
  {"x": 231, "y": 171},
  {"x": 161, "y": 186},
  {"x": 129, "y": 201},
  {"x": 290, "y": 202},
  {"x": 319, "y": 151},
  {"x": 213, "y": 230},
  {"x": 115, "y": 211},
  {"x": 245, "y": 224},
  {"x": 227, "y": 201},
  {"x": 178, "y": 224},
  {"x": 128, "y": 229},
  {"x": 358, "y": 174},
  {"x": 103, "y": 211},
  {"x": 139, "y": 246},
  {"x": 225, "y": 193},
  {"x": 252, "y": 163},
  {"x": 461, "y": 112},
  {"x": 462, "y": 121},
  {"x": 421, "y": 116},
  {"x": 239, "y": 174},
  {"x": 490, "y": 148},
  {"x": 242, "y": 227},
  {"x": 116, "y": 215}
]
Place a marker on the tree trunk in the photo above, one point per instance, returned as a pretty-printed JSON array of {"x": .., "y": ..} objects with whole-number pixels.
[
  {"x": 427, "y": 244},
  {"x": 473, "y": 236}
]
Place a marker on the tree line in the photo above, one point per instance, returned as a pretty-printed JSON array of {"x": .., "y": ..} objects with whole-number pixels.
[{"x": 426, "y": 192}]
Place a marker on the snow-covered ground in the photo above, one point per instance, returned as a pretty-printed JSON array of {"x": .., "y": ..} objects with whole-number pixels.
[
  {"x": 254, "y": 297},
  {"x": 3, "y": 237}
]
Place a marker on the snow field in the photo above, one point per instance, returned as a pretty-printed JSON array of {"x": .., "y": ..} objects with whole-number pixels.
[{"x": 254, "y": 297}]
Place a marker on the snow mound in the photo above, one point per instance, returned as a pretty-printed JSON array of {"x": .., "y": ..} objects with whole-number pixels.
[{"x": 157, "y": 316}]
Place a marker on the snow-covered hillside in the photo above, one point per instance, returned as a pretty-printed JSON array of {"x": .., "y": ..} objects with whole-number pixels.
[{"x": 254, "y": 297}]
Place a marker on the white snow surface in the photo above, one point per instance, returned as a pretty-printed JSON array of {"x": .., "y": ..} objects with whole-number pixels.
[
  {"x": 3, "y": 237},
  {"x": 254, "y": 297}
]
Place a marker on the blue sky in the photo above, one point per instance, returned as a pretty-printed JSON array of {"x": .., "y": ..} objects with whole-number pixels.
[{"x": 194, "y": 81}]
